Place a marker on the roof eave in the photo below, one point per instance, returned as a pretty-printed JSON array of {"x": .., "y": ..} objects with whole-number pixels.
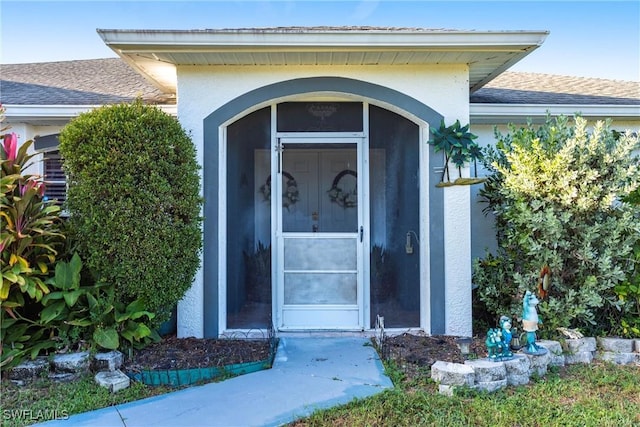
[
  {"x": 142, "y": 49},
  {"x": 481, "y": 113},
  {"x": 257, "y": 39},
  {"x": 61, "y": 114}
]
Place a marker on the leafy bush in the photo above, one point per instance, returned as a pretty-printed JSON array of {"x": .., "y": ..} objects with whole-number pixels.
[
  {"x": 29, "y": 241},
  {"x": 134, "y": 202},
  {"x": 626, "y": 320},
  {"x": 92, "y": 313},
  {"x": 556, "y": 192},
  {"x": 76, "y": 316}
]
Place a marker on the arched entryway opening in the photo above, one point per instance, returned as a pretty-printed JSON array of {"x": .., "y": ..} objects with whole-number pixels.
[{"x": 398, "y": 222}]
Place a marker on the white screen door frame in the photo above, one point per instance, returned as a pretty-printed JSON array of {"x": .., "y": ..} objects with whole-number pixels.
[{"x": 319, "y": 275}]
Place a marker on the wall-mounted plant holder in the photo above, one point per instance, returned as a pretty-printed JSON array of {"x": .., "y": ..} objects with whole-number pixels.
[
  {"x": 461, "y": 181},
  {"x": 459, "y": 148}
]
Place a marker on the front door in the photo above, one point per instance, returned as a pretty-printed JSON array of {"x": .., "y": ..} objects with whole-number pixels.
[{"x": 319, "y": 234}]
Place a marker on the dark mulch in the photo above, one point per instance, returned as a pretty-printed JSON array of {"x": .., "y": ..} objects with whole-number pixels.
[
  {"x": 188, "y": 353},
  {"x": 423, "y": 350},
  {"x": 414, "y": 354}
]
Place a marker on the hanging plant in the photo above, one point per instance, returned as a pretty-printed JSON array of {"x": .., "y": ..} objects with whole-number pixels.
[
  {"x": 459, "y": 148},
  {"x": 346, "y": 199},
  {"x": 290, "y": 193}
]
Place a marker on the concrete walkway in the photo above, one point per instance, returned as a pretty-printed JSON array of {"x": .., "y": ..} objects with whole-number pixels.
[{"x": 308, "y": 374}]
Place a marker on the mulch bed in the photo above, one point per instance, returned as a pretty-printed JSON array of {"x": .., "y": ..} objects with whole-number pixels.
[
  {"x": 188, "y": 353},
  {"x": 424, "y": 351}
]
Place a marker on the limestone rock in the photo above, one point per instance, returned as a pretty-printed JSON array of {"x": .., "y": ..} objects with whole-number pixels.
[
  {"x": 485, "y": 370},
  {"x": 619, "y": 358},
  {"x": 448, "y": 373},
  {"x": 29, "y": 370},
  {"x": 539, "y": 363},
  {"x": 518, "y": 370},
  {"x": 584, "y": 357},
  {"x": 63, "y": 377},
  {"x": 555, "y": 350},
  {"x": 109, "y": 361},
  {"x": 579, "y": 345},
  {"x": 71, "y": 362},
  {"x": 113, "y": 380},
  {"x": 615, "y": 345}
]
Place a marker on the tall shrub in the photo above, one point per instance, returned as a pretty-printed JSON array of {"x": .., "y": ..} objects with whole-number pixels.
[
  {"x": 556, "y": 192},
  {"x": 134, "y": 202}
]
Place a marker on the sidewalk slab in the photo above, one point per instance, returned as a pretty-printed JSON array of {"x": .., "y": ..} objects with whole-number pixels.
[{"x": 307, "y": 374}]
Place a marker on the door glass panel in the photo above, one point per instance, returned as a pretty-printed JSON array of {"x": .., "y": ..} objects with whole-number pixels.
[
  {"x": 394, "y": 209},
  {"x": 317, "y": 288},
  {"x": 320, "y": 190},
  {"x": 336, "y": 254},
  {"x": 248, "y": 222},
  {"x": 320, "y": 117}
]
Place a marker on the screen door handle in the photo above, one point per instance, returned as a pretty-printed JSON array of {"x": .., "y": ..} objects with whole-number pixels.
[{"x": 361, "y": 232}]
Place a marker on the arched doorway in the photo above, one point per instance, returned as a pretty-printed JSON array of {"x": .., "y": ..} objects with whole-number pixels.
[{"x": 391, "y": 273}]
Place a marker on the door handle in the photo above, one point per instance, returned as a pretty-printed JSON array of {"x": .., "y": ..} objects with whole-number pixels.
[{"x": 361, "y": 233}]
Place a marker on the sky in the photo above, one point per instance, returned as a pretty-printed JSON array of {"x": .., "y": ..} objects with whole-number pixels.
[{"x": 587, "y": 38}]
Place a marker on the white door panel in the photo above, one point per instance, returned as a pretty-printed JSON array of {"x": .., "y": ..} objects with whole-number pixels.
[{"x": 320, "y": 264}]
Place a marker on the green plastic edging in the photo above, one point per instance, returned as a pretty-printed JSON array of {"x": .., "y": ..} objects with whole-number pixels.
[{"x": 183, "y": 377}]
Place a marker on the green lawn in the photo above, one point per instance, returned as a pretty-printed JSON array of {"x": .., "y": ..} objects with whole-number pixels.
[
  {"x": 600, "y": 394},
  {"x": 44, "y": 400},
  {"x": 580, "y": 395}
]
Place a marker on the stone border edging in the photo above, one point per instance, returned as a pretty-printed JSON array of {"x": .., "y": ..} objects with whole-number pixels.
[{"x": 488, "y": 375}]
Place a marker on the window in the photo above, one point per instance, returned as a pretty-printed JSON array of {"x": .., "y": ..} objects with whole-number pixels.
[
  {"x": 320, "y": 117},
  {"x": 54, "y": 179},
  {"x": 395, "y": 218},
  {"x": 249, "y": 222}
]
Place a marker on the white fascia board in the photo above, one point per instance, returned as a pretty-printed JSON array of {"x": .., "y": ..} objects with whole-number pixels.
[
  {"x": 129, "y": 41},
  {"x": 62, "y": 112},
  {"x": 504, "y": 113}
]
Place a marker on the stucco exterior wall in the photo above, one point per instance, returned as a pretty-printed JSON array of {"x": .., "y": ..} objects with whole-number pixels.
[{"x": 444, "y": 88}]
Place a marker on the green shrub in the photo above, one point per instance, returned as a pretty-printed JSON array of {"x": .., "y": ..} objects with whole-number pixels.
[
  {"x": 82, "y": 313},
  {"x": 626, "y": 320},
  {"x": 556, "y": 193},
  {"x": 134, "y": 202}
]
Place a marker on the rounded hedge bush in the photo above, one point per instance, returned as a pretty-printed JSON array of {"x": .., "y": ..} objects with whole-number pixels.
[{"x": 134, "y": 202}]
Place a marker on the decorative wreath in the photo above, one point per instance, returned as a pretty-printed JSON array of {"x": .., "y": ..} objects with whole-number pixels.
[
  {"x": 290, "y": 194},
  {"x": 346, "y": 199}
]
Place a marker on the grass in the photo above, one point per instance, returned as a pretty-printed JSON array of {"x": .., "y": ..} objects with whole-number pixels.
[
  {"x": 599, "y": 394},
  {"x": 44, "y": 400}
]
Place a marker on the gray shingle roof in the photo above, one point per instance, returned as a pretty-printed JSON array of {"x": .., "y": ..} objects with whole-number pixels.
[
  {"x": 107, "y": 81},
  {"x": 83, "y": 82},
  {"x": 535, "y": 88}
]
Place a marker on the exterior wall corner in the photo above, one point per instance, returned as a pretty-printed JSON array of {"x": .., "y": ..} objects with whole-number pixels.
[
  {"x": 190, "y": 310},
  {"x": 457, "y": 248}
]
